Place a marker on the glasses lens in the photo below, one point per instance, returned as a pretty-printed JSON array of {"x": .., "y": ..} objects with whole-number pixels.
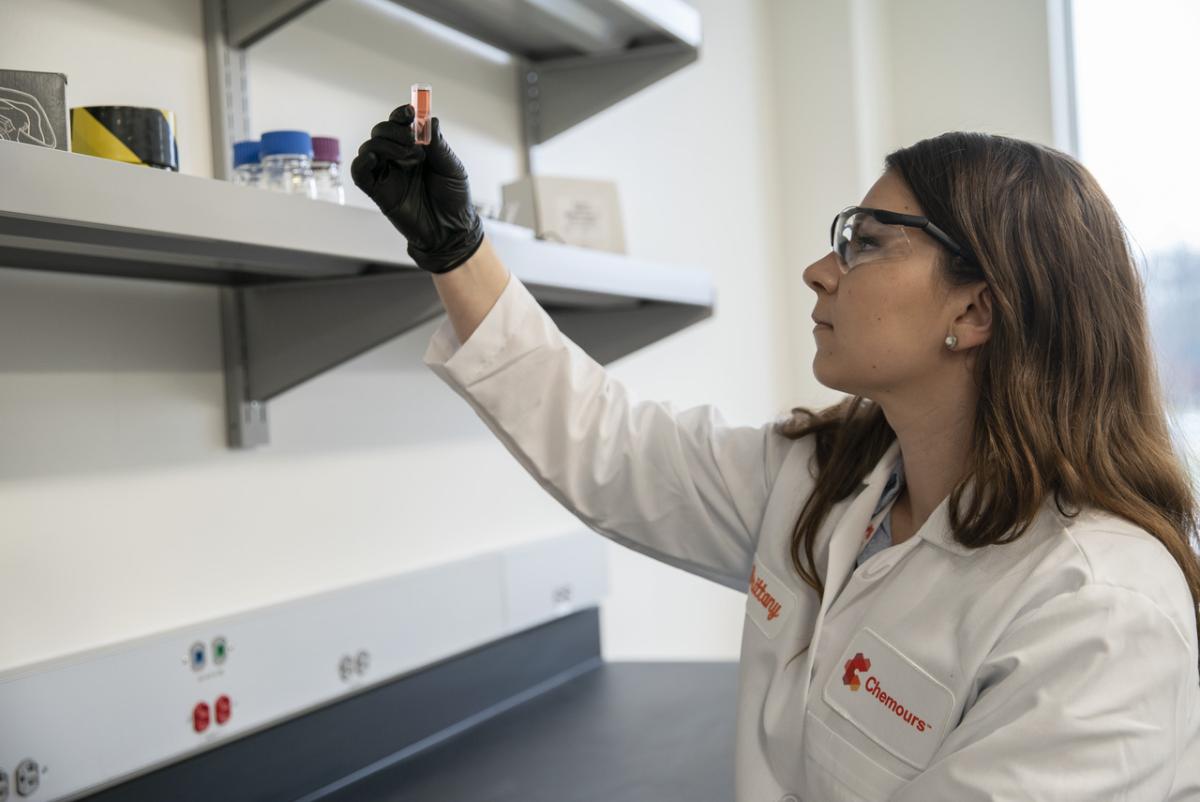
[{"x": 859, "y": 239}]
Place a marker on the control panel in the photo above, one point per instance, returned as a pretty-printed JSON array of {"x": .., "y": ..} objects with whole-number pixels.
[{"x": 172, "y": 694}]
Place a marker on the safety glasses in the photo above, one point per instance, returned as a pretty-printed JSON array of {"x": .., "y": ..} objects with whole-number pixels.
[{"x": 861, "y": 235}]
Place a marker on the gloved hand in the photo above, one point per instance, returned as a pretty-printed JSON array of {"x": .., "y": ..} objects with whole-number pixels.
[{"x": 422, "y": 190}]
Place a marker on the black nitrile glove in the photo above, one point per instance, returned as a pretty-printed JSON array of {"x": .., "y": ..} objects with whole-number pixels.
[{"x": 422, "y": 189}]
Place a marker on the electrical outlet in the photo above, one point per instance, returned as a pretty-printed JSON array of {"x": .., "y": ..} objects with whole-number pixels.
[
  {"x": 345, "y": 667},
  {"x": 362, "y": 661},
  {"x": 224, "y": 708},
  {"x": 3, "y": 786},
  {"x": 28, "y": 777}
]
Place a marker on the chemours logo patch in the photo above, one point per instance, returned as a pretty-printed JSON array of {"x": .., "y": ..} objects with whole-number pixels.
[
  {"x": 859, "y": 663},
  {"x": 904, "y": 709},
  {"x": 854, "y": 665}
]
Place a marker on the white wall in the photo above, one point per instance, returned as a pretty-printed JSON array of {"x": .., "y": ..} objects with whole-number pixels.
[
  {"x": 122, "y": 511},
  {"x": 855, "y": 80}
]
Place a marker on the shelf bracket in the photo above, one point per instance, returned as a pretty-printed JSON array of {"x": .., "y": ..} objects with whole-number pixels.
[
  {"x": 276, "y": 336},
  {"x": 246, "y": 419},
  {"x": 609, "y": 334},
  {"x": 560, "y": 93}
]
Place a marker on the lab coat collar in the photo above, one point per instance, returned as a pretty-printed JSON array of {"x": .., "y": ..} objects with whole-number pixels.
[
  {"x": 846, "y": 539},
  {"x": 936, "y": 529}
]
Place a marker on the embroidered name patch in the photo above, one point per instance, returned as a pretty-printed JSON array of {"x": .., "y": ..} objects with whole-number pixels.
[
  {"x": 891, "y": 699},
  {"x": 768, "y": 602}
]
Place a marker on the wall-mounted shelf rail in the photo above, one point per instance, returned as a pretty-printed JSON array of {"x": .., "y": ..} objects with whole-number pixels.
[{"x": 306, "y": 285}]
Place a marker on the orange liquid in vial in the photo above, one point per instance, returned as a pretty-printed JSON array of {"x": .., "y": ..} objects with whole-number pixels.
[{"x": 422, "y": 102}]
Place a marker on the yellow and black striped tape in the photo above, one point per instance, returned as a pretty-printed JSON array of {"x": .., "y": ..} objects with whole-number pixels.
[{"x": 127, "y": 134}]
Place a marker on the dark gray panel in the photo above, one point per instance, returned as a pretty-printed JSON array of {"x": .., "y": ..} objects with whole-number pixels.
[
  {"x": 570, "y": 90},
  {"x": 247, "y": 21},
  {"x": 296, "y": 330},
  {"x": 608, "y": 334}
]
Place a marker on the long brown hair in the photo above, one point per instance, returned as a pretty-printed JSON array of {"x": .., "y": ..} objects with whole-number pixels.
[{"x": 1069, "y": 397}]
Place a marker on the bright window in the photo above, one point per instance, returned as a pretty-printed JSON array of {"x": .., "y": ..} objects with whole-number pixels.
[{"x": 1136, "y": 66}]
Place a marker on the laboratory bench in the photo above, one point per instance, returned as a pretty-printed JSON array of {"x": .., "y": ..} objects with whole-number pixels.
[{"x": 535, "y": 716}]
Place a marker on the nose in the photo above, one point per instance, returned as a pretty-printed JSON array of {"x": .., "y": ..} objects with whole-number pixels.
[{"x": 823, "y": 273}]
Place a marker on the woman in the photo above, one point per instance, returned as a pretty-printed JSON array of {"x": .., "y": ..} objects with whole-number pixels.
[{"x": 974, "y": 579}]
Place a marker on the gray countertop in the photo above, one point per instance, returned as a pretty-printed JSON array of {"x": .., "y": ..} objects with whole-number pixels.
[{"x": 623, "y": 732}]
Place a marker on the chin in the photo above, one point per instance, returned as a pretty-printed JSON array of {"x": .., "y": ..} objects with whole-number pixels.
[{"x": 825, "y": 379}]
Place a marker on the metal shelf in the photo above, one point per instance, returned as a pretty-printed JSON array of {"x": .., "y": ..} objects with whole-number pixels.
[
  {"x": 305, "y": 285},
  {"x": 576, "y": 57}
]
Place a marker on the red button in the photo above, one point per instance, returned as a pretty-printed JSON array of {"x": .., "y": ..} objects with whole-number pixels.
[
  {"x": 223, "y": 709},
  {"x": 200, "y": 717}
]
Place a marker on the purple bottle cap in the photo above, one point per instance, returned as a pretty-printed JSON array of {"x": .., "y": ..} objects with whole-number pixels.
[{"x": 325, "y": 149}]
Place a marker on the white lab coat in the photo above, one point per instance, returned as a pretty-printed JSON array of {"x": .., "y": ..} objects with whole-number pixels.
[{"x": 1059, "y": 667}]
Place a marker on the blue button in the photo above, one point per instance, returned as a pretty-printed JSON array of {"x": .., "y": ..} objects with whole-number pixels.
[{"x": 197, "y": 656}]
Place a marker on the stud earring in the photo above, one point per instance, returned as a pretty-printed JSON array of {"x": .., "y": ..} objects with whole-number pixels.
[{"x": 951, "y": 341}]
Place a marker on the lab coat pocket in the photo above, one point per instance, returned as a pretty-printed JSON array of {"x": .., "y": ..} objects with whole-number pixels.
[{"x": 838, "y": 770}]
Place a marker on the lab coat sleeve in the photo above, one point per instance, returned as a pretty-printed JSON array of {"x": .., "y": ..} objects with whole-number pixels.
[
  {"x": 1084, "y": 698},
  {"x": 681, "y": 487}
]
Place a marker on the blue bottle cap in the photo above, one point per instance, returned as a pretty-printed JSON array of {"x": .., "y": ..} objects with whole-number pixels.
[
  {"x": 245, "y": 152},
  {"x": 275, "y": 142}
]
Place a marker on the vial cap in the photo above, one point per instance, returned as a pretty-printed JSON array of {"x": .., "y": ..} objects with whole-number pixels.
[
  {"x": 245, "y": 152},
  {"x": 276, "y": 142},
  {"x": 326, "y": 149}
]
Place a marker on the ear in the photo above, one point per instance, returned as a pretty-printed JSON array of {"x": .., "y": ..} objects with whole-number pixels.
[{"x": 974, "y": 323}]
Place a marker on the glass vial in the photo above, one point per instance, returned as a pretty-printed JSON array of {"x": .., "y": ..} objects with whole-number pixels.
[
  {"x": 287, "y": 163},
  {"x": 247, "y": 169},
  {"x": 327, "y": 170},
  {"x": 422, "y": 103}
]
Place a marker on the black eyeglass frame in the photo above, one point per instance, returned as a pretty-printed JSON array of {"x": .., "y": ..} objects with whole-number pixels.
[{"x": 897, "y": 219}]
